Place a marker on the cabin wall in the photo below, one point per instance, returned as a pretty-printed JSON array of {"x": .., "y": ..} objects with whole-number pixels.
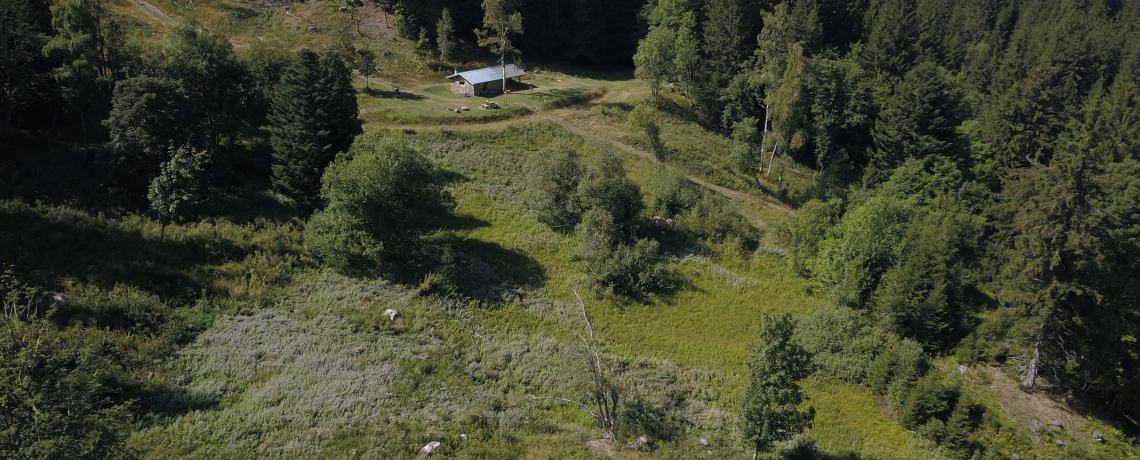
[{"x": 461, "y": 86}]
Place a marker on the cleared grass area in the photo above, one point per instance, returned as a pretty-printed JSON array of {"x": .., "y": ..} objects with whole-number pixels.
[{"x": 850, "y": 420}]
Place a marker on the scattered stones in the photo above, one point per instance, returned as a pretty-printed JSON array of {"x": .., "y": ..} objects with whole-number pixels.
[
  {"x": 1060, "y": 443},
  {"x": 1098, "y": 436},
  {"x": 704, "y": 442},
  {"x": 343, "y": 9},
  {"x": 312, "y": 29},
  {"x": 963, "y": 369},
  {"x": 391, "y": 314},
  {"x": 426, "y": 450},
  {"x": 463, "y": 437},
  {"x": 1015, "y": 457}
]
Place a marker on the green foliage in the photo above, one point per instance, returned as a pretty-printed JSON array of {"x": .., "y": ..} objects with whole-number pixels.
[
  {"x": 644, "y": 118},
  {"x": 670, "y": 193},
  {"x": 178, "y": 190},
  {"x": 313, "y": 117},
  {"x": 770, "y": 412},
  {"x": 847, "y": 346},
  {"x": 920, "y": 121},
  {"x": 216, "y": 82},
  {"x": 747, "y": 154},
  {"x": 654, "y": 58},
  {"x": 802, "y": 234},
  {"x": 630, "y": 270},
  {"x": 500, "y": 21},
  {"x": 445, "y": 35},
  {"x": 550, "y": 187},
  {"x": 854, "y": 256},
  {"x": 605, "y": 186},
  {"x": 892, "y": 37},
  {"x": 382, "y": 199},
  {"x": 23, "y": 41},
  {"x": 423, "y": 45},
  {"x": 149, "y": 117},
  {"x": 54, "y": 402},
  {"x": 930, "y": 399}
]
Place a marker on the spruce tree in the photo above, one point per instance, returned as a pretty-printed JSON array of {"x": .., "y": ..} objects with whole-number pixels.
[
  {"x": 770, "y": 412},
  {"x": 921, "y": 120},
  {"x": 312, "y": 118}
]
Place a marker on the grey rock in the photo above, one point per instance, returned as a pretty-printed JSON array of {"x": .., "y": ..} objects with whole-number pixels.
[
  {"x": 704, "y": 442},
  {"x": 1098, "y": 436},
  {"x": 391, "y": 314},
  {"x": 426, "y": 450}
]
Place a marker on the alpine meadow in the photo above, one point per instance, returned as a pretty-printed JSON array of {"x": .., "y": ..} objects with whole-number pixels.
[{"x": 570, "y": 229}]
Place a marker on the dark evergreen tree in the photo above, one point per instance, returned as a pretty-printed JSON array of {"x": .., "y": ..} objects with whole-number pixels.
[
  {"x": 892, "y": 44},
  {"x": 313, "y": 116},
  {"x": 921, "y": 120},
  {"x": 770, "y": 412}
]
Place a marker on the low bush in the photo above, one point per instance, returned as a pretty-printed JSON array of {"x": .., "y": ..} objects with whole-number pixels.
[
  {"x": 550, "y": 187},
  {"x": 629, "y": 270}
]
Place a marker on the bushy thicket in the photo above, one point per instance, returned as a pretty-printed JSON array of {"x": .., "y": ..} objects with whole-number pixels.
[
  {"x": 697, "y": 213},
  {"x": 596, "y": 199},
  {"x": 383, "y": 197},
  {"x": 847, "y": 346},
  {"x": 58, "y": 391}
]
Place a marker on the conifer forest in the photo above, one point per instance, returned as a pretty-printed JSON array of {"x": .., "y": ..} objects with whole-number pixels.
[{"x": 570, "y": 229}]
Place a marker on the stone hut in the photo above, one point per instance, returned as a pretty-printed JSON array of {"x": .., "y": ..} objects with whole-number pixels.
[{"x": 483, "y": 82}]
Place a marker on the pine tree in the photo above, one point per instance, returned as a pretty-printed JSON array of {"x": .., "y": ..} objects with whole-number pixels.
[
  {"x": 445, "y": 35},
  {"x": 770, "y": 412},
  {"x": 313, "y": 117}
]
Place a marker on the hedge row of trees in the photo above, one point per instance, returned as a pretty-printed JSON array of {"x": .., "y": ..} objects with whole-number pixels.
[{"x": 972, "y": 156}]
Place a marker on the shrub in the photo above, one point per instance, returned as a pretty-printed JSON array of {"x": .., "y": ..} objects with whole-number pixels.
[
  {"x": 930, "y": 399},
  {"x": 550, "y": 185},
  {"x": 380, "y": 204},
  {"x": 671, "y": 193},
  {"x": 633, "y": 271},
  {"x": 713, "y": 218},
  {"x": 604, "y": 185}
]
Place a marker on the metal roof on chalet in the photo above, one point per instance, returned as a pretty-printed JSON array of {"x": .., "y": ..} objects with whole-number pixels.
[{"x": 485, "y": 75}]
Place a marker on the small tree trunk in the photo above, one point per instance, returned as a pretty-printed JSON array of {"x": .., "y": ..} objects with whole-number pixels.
[
  {"x": 83, "y": 127},
  {"x": 755, "y": 453},
  {"x": 770, "y": 160}
]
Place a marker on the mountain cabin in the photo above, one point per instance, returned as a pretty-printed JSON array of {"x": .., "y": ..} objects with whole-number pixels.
[{"x": 483, "y": 82}]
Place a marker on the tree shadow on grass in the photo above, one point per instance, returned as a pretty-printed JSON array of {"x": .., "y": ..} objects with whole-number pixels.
[
  {"x": 385, "y": 94},
  {"x": 51, "y": 244},
  {"x": 512, "y": 265},
  {"x": 170, "y": 400}
]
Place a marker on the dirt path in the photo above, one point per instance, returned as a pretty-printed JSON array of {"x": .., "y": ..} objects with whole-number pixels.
[
  {"x": 749, "y": 205},
  {"x": 153, "y": 12}
]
